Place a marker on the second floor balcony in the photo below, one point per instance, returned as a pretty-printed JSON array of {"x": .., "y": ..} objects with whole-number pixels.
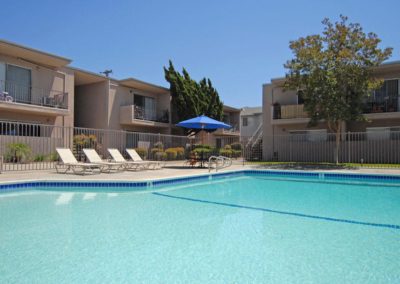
[
  {"x": 133, "y": 114},
  {"x": 372, "y": 107},
  {"x": 234, "y": 131},
  {"x": 16, "y": 96}
]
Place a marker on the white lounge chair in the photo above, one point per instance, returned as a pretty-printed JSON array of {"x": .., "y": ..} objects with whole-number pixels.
[
  {"x": 117, "y": 157},
  {"x": 94, "y": 158},
  {"x": 69, "y": 162},
  {"x": 136, "y": 158}
]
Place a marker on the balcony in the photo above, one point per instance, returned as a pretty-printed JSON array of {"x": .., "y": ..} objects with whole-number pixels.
[
  {"x": 374, "y": 108},
  {"x": 32, "y": 99},
  {"x": 282, "y": 114},
  {"x": 382, "y": 107},
  {"x": 234, "y": 131},
  {"x": 136, "y": 115}
]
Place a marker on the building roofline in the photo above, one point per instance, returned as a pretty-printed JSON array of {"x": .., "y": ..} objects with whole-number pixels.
[
  {"x": 384, "y": 64},
  {"x": 142, "y": 82},
  {"x": 91, "y": 73},
  {"x": 229, "y": 108},
  {"x": 35, "y": 50}
]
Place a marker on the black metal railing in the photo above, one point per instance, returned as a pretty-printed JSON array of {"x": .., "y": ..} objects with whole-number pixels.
[
  {"x": 150, "y": 114},
  {"x": 12, "y": 92}
]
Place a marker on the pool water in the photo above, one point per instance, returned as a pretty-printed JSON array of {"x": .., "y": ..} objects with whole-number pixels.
[{"x": 243, "y": 229}]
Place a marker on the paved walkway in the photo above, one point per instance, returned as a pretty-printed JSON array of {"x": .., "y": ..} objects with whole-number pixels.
[{"x": 172, "y": 170}]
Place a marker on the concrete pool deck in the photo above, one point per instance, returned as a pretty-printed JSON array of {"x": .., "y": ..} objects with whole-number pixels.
[{"x": 170, "y": 171}]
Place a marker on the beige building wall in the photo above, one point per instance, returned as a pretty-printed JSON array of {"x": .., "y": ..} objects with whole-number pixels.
[{"x": 91, "y": 105}]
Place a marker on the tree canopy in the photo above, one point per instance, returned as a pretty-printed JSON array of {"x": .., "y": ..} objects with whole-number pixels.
[
  {"x": 334, "y": 72},
  {"x": 191, "y": 98}
]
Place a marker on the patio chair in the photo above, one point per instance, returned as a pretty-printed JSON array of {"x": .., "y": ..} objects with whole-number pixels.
[
  {"x": 69, "y": 162},
  {"x": 117, "y": 157},
  {"x": 94, "y": 158},
  {"x": 136, "y": 158}
]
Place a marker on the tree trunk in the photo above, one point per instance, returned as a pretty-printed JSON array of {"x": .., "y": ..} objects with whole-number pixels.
[{"x": 337, "y": 128}]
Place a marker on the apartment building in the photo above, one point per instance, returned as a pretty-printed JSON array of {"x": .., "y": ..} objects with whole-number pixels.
[
  {"x": 250, "y": 121},
  {"x": 42, "y": 98},
  {"x": 284, "y": 113},
  {"x": 35, "y": 87},
  {"x": 41, "y": 88},
  {"x": 128, "y": 104}
]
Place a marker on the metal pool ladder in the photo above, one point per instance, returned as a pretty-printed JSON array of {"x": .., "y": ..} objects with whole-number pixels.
[{"x": 219, "y": 161}]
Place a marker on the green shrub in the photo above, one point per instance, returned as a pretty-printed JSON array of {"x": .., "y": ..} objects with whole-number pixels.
[
  {"x": 236, "y": 146},
  {"x": 53, "y": 157},
  {"x": 203, "y": 153},
  {"x": 225, "y": 152},
  {"x": 202, "y": 146},
  {"x": 160, "y": 156},
  {"x": 171, "y": 154},
  {"x": 82, "y": 141},
  {"x": 228, "y": 147},
  {"x": 202, "y": 150},
  {"x": 17, "y": 153},
  {"x": 153, "y": 151},
  {"x": 159, "y": 145},
  {"x": 236, "y": 153},
  {"x": 157, "y": 154},
  {"x": 180, "y": 151},
  {"x": 39, "y": 158},
  {"x": 142, "y": 152}
]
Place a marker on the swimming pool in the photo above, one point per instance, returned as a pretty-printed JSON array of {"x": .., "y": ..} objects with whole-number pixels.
[{"x": 238, "y": 227}]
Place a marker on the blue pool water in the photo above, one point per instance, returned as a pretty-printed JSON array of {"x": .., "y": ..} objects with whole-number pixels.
[{"x": 241, "y": 229}]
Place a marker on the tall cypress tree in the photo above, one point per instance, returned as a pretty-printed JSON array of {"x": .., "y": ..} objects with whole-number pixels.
[{"x": 191, "y": 98}]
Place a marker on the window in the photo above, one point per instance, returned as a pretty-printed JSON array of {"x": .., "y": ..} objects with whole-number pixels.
[
  {"x": 245, "y": 121},
  {"x": 385, "y": 99}
]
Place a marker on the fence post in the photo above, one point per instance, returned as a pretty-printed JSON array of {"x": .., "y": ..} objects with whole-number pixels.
[
  {"x": 1, "y": 164},
  {"x": 349, "y": 146}
]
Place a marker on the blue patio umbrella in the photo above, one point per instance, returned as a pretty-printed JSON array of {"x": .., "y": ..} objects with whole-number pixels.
[{"x": 204, "y": 123}]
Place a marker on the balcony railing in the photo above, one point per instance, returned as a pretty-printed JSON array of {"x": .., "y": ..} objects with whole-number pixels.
[
  {"x": 373, "y": 105},
  {"x": 289, "y": 111},
  {"x": 12, "y": 92},
  {"x": 231, "y": 131},
  {"x": 385, "y": 104},
  {"x": 130, "y": 113},
  {"x": 150, "y": 114}
]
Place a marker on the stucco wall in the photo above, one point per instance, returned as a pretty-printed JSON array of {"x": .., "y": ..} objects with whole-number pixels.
[
  {"x": 91, "y": 105},
  {"x": 253, "y": 122}
]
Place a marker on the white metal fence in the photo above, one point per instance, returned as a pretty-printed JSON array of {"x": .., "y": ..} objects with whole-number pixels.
[
  {"x": 355, "y": 147},
  {"x": 26, "y": 146}
]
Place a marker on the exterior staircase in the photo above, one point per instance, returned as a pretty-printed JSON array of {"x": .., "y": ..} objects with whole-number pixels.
[{"x": 253, "y": 147}]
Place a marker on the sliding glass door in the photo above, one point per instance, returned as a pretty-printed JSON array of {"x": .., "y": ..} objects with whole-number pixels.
[
  {"x": 145, "y": 107},
  {"x": 18, "y": 83}
]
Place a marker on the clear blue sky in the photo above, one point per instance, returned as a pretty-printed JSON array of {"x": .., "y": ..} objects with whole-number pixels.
[{"x": 238, "y": 44}]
